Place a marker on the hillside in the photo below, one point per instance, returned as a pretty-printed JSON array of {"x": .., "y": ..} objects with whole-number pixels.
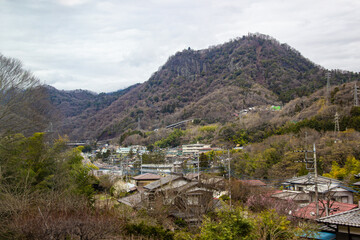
[{"x": 210, "y": 84}]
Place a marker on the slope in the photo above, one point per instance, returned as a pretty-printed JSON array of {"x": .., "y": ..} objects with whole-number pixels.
[{"x": 210, "y": 84}]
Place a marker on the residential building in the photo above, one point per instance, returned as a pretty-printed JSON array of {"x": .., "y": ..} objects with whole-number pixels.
[
  {"x": 157, "y": 168},
  {"x": 107, "y": 171},
  {"x": 328, "y": 188},
  {"x": 144, "y": 179},
  {"x": 180, "y": 197},
  {"x": 346, "y": 224},
  {"x": 299, "y": 197},
  {"x": 192, "y": 149},
  {"x": 326, "y": 208},
  {"x": 123, "y": 150}
]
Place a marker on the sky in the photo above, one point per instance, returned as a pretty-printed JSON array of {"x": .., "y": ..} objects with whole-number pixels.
[{"x": 107, "y": 45}]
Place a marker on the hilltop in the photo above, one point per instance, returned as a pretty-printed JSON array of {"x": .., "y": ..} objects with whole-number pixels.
[{"x": 211, "y": 84}]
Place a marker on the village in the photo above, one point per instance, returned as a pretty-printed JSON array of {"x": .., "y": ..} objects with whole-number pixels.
[{"x": 185, "y": 183}]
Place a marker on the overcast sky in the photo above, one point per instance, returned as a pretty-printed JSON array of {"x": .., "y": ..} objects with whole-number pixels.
[{"x": 107, "y": 45}]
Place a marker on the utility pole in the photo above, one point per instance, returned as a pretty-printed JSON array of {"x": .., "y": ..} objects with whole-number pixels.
[
  {"x": 311, "y": 165},
  {"x": 315, "y": 182}
]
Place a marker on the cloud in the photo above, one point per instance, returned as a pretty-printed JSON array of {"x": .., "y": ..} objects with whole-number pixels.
[
  {"x": 111, "y": 44},
  {"x": 71, "y": 2}
]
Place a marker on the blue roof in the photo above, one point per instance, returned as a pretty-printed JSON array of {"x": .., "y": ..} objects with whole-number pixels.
[
  {"x": 347, "y": 188},
  {"x": 320, "y": 236}
]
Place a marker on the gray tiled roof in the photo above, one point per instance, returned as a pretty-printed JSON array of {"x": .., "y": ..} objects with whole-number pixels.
[
  {"x": 162, "y": 181},
  {"x": 309, "y": 179},
  {"x": 131, "y": 200},
  {"x": 350, "y": 218}
]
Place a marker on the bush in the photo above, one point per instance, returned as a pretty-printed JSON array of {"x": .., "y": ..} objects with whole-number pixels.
[
  {"x": 227, "y": 224},
  {"x": 144, "y": 230},
  {"x": 57, "y": 216}
]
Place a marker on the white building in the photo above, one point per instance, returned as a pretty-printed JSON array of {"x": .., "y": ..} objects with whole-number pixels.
[
  {"x": 195, "y": 148},
  {"x": 157, "y": 168},
  {"x": 123, "y": 150}
]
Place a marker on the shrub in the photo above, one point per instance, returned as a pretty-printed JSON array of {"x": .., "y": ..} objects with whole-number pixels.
[{"x": 142, "y": 229}]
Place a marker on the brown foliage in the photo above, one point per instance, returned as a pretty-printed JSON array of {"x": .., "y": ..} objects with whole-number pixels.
[{"x": 60, "y": 217}]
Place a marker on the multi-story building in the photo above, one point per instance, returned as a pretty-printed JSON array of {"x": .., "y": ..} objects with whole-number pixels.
[{"x": 192, "y": 149}]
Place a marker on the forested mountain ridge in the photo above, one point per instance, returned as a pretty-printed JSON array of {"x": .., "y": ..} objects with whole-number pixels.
[{"x": 210, "y": 84}]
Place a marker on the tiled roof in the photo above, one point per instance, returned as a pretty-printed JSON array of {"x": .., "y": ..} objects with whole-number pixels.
[
  {"x": 309, "y": 179},
  {"x": 131, "y": 200},
  {"x": 147, "y": 176},
  {"x": 323, "y": 188},
  {"x": 162, "y": 181},
  {"x": 349, "y": 218},
  {"x": 356, "y": 184},
  {"x": 290, "y": 195},
  {"x": 253, "y": 182},
  {"x": 309, "y": 212},
  {"x": 191, "y": 176}
]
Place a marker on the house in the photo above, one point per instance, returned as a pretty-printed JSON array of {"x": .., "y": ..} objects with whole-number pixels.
[
  {"x": 299, "y": 197},
  {"x": 302, "y": 182},
  {"x": 183, "y": 198},
  {"x": 133, "y": 200},
  {"x": 176, "y": 196},
  {"x": 107, "y": 171},
  {"x": 195, "y": 148},
  {"x": 157, "y": 168},
  {"x": 333, "y": 192},
  {"x": 123, "y": 150},
  {"x": 332, "y": 207},
  {"x": 144, "y": 179},
  {"x": 357, "y": 184},
  {"x": 346, "y": 224},
  {"x": 328, "y": 188}
]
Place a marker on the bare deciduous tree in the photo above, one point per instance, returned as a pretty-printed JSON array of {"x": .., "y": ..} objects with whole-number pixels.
[{"x": 23, "y": 102}]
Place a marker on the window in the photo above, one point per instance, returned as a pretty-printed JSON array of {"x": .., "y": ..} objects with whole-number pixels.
[{"x": 193, "y": 200}]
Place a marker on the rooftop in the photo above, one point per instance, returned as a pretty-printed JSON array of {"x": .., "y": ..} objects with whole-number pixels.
[
  {"x": 162, "y": 181},
  {"x": 349, "y": 218},
  {"x": 147, "y": 176},
  {"x": 309, "y": 212},
  {"x": 356, "y": 184},
  {"x": 324, "y": 188},
  {"x": 253, "y": 182},
  {"x": 309, "y": 180},
  {"x": 131, "y": 200}
]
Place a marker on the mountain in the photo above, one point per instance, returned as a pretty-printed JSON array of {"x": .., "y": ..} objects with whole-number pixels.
[{"x": 211, "y": 84}]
